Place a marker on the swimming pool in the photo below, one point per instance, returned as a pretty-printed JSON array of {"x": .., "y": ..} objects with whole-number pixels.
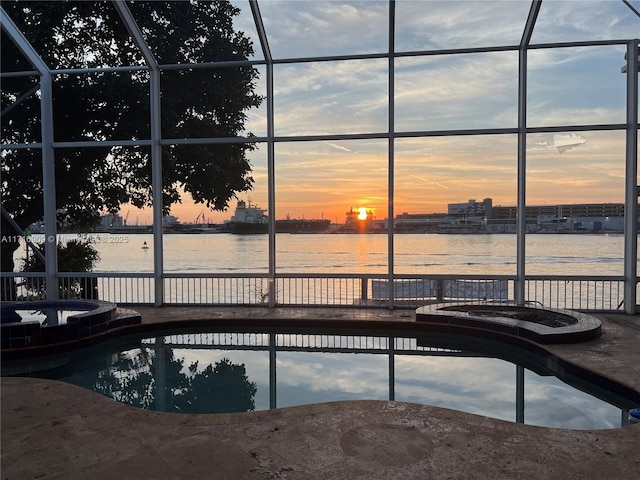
[{"x": 204, "y": 371}]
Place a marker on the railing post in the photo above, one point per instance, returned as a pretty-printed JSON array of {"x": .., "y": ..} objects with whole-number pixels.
[
  {"x": 364, "y": 288},
  {"x": 272, "y": 371},
  {"x": 392, "y": 368},
  {"x": 519, "y": 394},
  {"x": 631, "y": 180}
]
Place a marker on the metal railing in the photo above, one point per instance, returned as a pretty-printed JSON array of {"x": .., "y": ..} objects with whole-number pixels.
[
  {"x": 583, "y": 293},
  {"x": 299, "y": 342}
]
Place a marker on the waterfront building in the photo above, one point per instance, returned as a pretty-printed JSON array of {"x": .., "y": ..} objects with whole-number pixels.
[
  {"x": 471, "y": 209},
  {"x": 476, "y": 217},
  {"x": 419, "y": 222},
  {"x": 508, "y": 225},
  {"x": 112, "y": 220},
  {"x": 578, "y": 217},
  {"x": 578, "y": 210}
]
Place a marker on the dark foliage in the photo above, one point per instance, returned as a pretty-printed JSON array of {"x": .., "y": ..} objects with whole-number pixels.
[
  {"x": 132, "y": 378},
  {"x": 115, "y": 106},
  {"x": 73, "y": 256}
]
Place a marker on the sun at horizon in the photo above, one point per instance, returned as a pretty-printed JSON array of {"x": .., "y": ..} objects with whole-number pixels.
[{"x": 363, "y": 213}]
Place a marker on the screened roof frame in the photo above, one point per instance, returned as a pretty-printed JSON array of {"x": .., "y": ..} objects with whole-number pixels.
[
  {"x": 145, "y": 49},
  {"x": 48, "y": 144}
]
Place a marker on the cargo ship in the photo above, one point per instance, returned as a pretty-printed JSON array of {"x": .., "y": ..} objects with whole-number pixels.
[{"x": 251, "y": 219}]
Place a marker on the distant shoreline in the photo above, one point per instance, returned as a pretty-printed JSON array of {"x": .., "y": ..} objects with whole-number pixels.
[{"x": 148, "y": 230}]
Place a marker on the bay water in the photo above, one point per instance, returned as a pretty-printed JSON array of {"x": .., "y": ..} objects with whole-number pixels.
[{"x": 491, "y": 254}]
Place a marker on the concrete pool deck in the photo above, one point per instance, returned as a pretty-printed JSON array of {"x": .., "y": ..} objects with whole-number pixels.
[{"x": 54, "y": 430}]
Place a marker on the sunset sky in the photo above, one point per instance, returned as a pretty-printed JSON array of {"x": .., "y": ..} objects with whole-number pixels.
[{"x": 569, "y": 86}]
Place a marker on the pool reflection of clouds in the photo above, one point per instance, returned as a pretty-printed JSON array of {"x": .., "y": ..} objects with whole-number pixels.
[
  {"x": 478, "y": 385},
  {"x": 471, "y": 384},
  {"x": 471, "y": 373},
  {"x": 552, "y": 403},
  {"x": 481, "y": 385},
  {"x": 356, "y": 373},
  {"x": 313, "y": 377},
  {"x": 570, "y": 413}
]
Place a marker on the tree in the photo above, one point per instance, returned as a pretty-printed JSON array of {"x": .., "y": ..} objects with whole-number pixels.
[
  {"x": 73, "y": 256},
  {"x": 201, "y": 102},
  {"x": 223, "y": 388},
  {"x": 129, "y": 376}
]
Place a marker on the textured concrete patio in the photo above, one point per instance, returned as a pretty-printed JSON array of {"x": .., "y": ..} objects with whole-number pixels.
[{"x": 55, "y": 430}]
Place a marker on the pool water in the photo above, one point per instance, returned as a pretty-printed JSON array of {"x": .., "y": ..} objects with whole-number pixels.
[{"x": 216, "y": 372}]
